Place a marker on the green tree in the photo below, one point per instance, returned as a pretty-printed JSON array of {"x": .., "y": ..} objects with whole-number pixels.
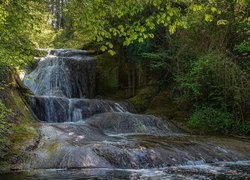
[{"x": 21, "y": 26}]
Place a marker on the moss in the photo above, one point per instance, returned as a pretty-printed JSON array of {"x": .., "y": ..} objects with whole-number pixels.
[
  {"x": 52, "y": 148},
  {"x": 22, "y": 129},
  {"x": 165, "y": 106},
  {"x": 25, "y": 129},
  {"x": 4, "y": 126},
  {"x": 143, "y": 98},
  {"x": 22, "y": 133}
]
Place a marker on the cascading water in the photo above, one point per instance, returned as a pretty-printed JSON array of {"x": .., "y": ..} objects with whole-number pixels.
[
  {"x": 81, "y": 132},
  {"x": 61, "y": 82},
  {"x": 62, "y": 74}
]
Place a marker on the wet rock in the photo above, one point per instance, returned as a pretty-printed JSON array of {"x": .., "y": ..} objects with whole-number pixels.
[
  {"x": 67, "y": 146},
  {"x": 70, "y": 52},
  {"x": 60, "y": 109},
  {"x": 116, "y": 123},
  {"x": 78, "y": 145}
]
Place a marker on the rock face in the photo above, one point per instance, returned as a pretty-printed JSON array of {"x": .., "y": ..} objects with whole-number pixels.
[
  {"x": 61, "y": 109},
  {"x": 78, "y": 132},
  {"x": 127, "y": 123}
]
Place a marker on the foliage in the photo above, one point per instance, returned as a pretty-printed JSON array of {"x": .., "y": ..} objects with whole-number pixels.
[
  {"x": 210, "y": 120},
  {"x": 132, "y": 21},
  {"x": 216, "y": 80},
  {"x": 43, "y": 35},
  {"x": 4, "y": 111},
  {"x": 13, "y": 32},
  {"x": 243, "y": 47},
  {"x": 21, "y": 23},
  {"x": 242, "y": 128},
  {"x": 4, "y": 71}
]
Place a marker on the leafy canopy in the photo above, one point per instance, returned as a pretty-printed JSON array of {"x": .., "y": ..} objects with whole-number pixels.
[
  {"x": 134, "y": 21},
  {"x": 20, "y": 28}
]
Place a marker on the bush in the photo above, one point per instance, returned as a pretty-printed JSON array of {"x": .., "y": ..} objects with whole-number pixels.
[
  {"x": 243, "y": 129},
  {"x": 4, "y": 72},
  {"x": 210, "y": 120},
  {"x": 216, "y": 80}
]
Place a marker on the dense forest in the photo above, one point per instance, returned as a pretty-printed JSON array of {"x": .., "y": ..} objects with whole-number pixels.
[{"x": 188, "y": 60}]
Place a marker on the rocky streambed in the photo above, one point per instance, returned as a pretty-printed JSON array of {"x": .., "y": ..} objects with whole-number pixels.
[{"x": 81, "y": 132}]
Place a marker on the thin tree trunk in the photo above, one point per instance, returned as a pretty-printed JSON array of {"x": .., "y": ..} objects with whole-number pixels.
[
  {"x": 129, "y": 80},
  {"x": 133, "y": 79}
]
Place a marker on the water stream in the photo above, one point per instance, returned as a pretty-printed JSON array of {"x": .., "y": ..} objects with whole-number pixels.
[{"x": 84, "y": 137}]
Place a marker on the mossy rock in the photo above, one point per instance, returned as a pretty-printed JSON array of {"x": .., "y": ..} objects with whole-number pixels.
[
  {"x": 22, "y": 131},
  {"x": 143, "y": 98},
  {"x": 52, "y": 148},
  {"x": 164, "y": 105}
]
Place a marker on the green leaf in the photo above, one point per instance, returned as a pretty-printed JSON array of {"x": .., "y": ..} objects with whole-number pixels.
[
  {"x": 222, "y": 22},
  {"x": 111, "y": 52},
  {"x": 172, "y": 29},
  {"x": 110, "y": 45},
  {"x": 103, "y": 48},
  {"x": 213, "y": 9},
  {"x": 208, "y": 18},
  {"x": 196, "y": 7}
]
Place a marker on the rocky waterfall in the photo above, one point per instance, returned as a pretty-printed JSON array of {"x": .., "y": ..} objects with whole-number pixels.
[{"x": 79, "y": 131}]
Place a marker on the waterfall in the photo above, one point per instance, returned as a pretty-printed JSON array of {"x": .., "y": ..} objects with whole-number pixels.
[
  {"x": 79, "y": 131},
  {"x": 62, "y": 74},
  {"x": 62, "y": 82}
]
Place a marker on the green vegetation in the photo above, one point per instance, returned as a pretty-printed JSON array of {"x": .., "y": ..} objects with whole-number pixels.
[
  {"x": 5, "y": 113},
  {"x": 216, "y": 80},
  {"x": 52, "y": 148},
  {"x": 209, "y": 120},
  {"x": 21, "y": 25},
  {"x": 143, "y": 98}
]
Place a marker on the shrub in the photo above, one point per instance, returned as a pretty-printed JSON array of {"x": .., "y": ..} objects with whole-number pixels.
[
  {"x": 4, "y": 72},
  {"x": 243, "y": 129},
  {"x": 210, "y": 120},
  {"x": 218, "y": 81}
]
